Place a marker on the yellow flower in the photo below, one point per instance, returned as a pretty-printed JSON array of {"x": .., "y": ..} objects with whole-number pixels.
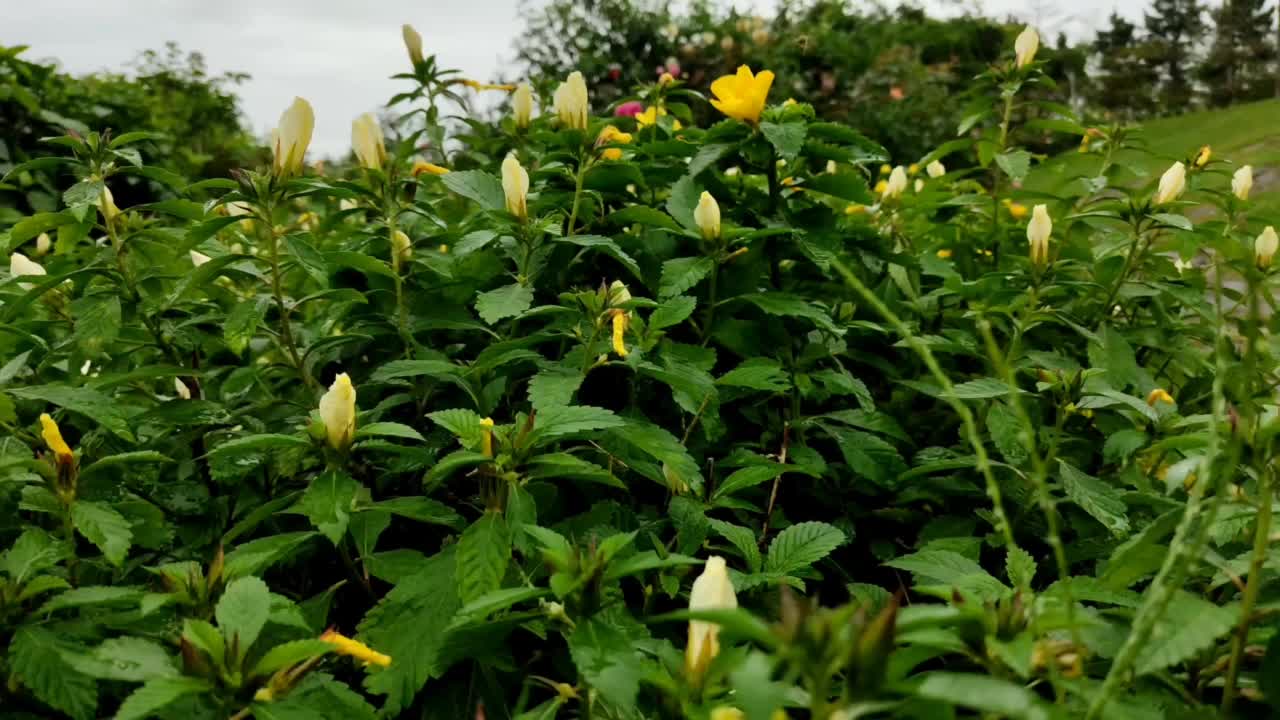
[
  {"x": 1025, "y": 46},
  {"x": 354, "y": 648},
  {"x": 935, "y": 169},
  {"x": 897, "y": 184},
  {"x": 43, "y": 244},
  {"x": 292, "y": 136},
  {"x": 621, "y": 321},
  {"x": 1038, "y": 232},
  {"x": 366, "y": 141},
  {"x": 944, "y": 253},
  {"x": 1242, "y": 182},
  {"x": 422, "y": 166},
  {"x": 338, "y": 412},
  {"x": 912, "y": 169},
  {"x": 649, "y": 116},
  {"x": 181, "y": 388},
  {"x": 477, "y": 85},
  {"x": 486, "y": 437},
  {"x": 20, "y": 264},
  {"x": 1172, "y": 183},
  {"x": 401, "y": 249},
  {"x": 1159, "y": 395},
  {"x": 707, "y": 216},
  {"x": 854, "y": 209},
  {"x": 107, "y": 204},
  {"x": 881, "y": 186},
  {"x": 522, "y": 105},
  {"x": 788, "y": 102},
  {"x": 712, "y": 590},
  {"x": 1264, "y": 247},
  {"x": 611, "y": 154},
  {"x": 1203, "y": 157},
  {"x": 742, "y": 96},
  {"x": 515, "y": 186},
  {"x": 611, "y": 134},
  {"x": 666, "y": 78},
  {"x": 1017, "y": 210},
  {"x": 885, "y": 169},
  {"x": 53, "y": 438},
  {"x": 412, "y": 43},
  {"x": 572, "y": 104}
]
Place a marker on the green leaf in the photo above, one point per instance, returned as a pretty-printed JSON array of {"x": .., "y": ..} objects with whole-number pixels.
[
  {"x": 786, "y": 305},
  {"x": 847, "y": 186},
  {"x": 85, "y": 192},
  {"x": 744, "y": 539},
  {"x": 758, "y": 374},
  {"x": 359, "y": 261},
  {"x": 389, "y": 429},
  {"x": 253, "y": 557},
  {"x": 1100, "y": 500},
  {"x": 982, "y": 693},
  {"x": 563, "y": 466},
  {"x": 1021, "y": 568},
  {"x": 802, "y": 545},
  {"x": 672, "y": 311},
  {"x": 483, "y": 554},
  {"x": 158, "y": 694},
  {"x": 606, "y": 246},
  {"x": 36, "y": 656},
  {"x": 980, "y": 389},
  {"x": 92, "y": 596},
  {"x": 505, "y": 302},
  {"x": 317, "y": 697},
  {"x": 787, "y": 138},
  {"x": 1015, "y": 163},
  {"x": 607, "y": 659},
  {"x": 663, "y": 447},
  {"x": 290, "y": 653},
  {"x": 397, "y": 369},
  {"x": 554, "y": 386},
  {"x": 1006, "y": 433},
  {"x": 748, "y": 477},
  {"x": 242, "y": 323},
  {"x": 559, "y": 421},
  {"x": 1181, "y": 222},
  {"x": 645, "y": 215},
  {"x": 128, "y": 458},
  {"x": 104, "y": 410},
  {"x": 870, "y": 456},
  {"x": 463, "y": 423},
  {"x": 242, "y": 612},
  {"x": 477, "y": 185},
  {"x": 681, "y": 274},
  {"x": 254, "y": 443},
  {"x": 952, "y": 569},
  {"x": 31, "y": 227},
  {"x": 127, "y": 659},
  {"x": 421, "y": 509},
  {"x": 33, "y": 551},
  {"x": 328, "y": 503},
  {"x": 1190, "y": 625},
  {"x": 682, "y": 201},
  {"x": 497, "y": 600},
  {"x": 104, "y": 527},
  {"x": 97, "y": 322},
  {"x": 452, "y": 463}
]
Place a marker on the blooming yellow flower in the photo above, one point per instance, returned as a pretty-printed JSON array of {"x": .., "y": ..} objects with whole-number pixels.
[
  {"x": 1172, "y": 183},
  {"x": 885, "y": 169},
  {"x": 354, "y": 648},
  {"x": 649, "y": 116},
  {"x": 621, "y": 321},
  {"x": 712, "y": 590},
  {"x": 522, "y": 105},
  {"x": 742, "y": 96},
  {"x": 1159, "y": 395},
  {"x": 486, "y": 437},
  {"x": 53, "y": 438},
  {"x": 611, "y": 153},
  {"x": 338, "y": 412},
  {"x": 707, "y": 216},
  {"x": 571, "y": 102},
  {"x": 422, "y": 166},
  {"x": 1025, "y": 46},
  {"x": 881, "y": 186},
  {"x": 292, "y": 136},
  {"x": 1242, "y": 182},
  {"x": 666, "y": 78},
  {"x": 412, "y": 43},
  {"x": 515, "y": 186},
  {"x": 611, "y": 134},
  {"x": 367, "y": 142},
  {"x": 1038, "y": 232},
  {"x": 913, "y": 168},
  {"x": 477, "y": 85},
  {"x": 1264, "y": 247}
]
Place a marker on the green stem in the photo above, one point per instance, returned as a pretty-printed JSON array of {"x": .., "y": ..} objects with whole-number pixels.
[
  {"x": 402, "y": 312},
  {"x": 577, "y": 195},
  {"x": 277, "y": 289},
  {"x": 1261, "y": 541}
]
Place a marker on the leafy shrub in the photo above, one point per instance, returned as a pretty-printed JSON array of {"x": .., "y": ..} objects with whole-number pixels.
[{"x": 584, "y": 418}]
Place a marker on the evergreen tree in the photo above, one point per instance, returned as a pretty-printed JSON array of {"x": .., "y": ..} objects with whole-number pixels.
[
  {"x": 1174, "y": 29},
  {"x": 1125, "y": 81},
  {"x": 1238, "y": 66}
]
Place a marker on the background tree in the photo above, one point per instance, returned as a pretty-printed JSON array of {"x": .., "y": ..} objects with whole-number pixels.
[
  {"x": 1125, "y": 80},
  {"x": 1174, "y": 30},
  {"x": 1238, "y": 65}
]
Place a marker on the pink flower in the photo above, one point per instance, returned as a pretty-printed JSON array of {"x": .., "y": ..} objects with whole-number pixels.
[{"x": 629, "y": 109}]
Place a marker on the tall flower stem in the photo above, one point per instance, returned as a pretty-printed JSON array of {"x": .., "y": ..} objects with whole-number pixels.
[
  {"x": 577, "y": 194},
  {"x": 277, "y": 290}
]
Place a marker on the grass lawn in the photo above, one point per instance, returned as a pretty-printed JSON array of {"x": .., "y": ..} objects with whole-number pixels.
[{"x": 1241, "y": 134}]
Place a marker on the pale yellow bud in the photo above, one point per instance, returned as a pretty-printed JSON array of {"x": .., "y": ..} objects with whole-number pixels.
[
  {"x": 1172, "y": 183},
  {"x": 107, "y": 204},
  {"x": 401, "y": 249},
  {"x": 522, "y": 105},
  {"x": 919, "y": 185},
  {"x": 20, "y": 264},
  {"x": 712, "y": 590},
  {"x": 707, "y": 216},
  {"x": 198, "y": 258},
  {"x": 1264, "y": 247},
  {"x": 181, "y": 388},
  {"x": 572, "y": 105},
  {"x": 486, "y": 437},
  {"x": 412, "y": 43},
  {"x": 1038, "y": 231},
  {"x": 338, "y": 412},
  {"x": 1242, "y": 182},
  {"x": 291, "y": 138},
  {"x": 618, "y": 293},
  {"x": 1026, "y": 45},
  {"x": 935, "y": 169},
  {"x": 896, "y": 185},
  {"x": 42, "y": 244},
  {"x": 367, "y": 142},
  {"x": 515, "y": 186},
  {"x": 724, "y": 712}
]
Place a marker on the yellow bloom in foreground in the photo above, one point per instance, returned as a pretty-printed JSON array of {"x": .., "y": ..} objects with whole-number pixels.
[
  {"x": 366, "y": 141},
  {"x": 712, "y": 590},
  {"x": 1203, "y": 157},
  {"x": 1159, "y": 395},
  {"x": 53, "y": 438},
  {"x": 1172, "y": 183},
  {"x": 354, "y": 648},
  {"x": 1038, "y": 232},
  {"x": 707, "y": 216},
  {"x": 896, "y": 185},
  {"x": 1242, "y": 182},
  {"x": 742, "y": 96},
  {"x": 338, "y": 412},
  {"x": 1025, "y": 46},
  {"x": 515, "y": 187},
  {"x": 621, "y": 321},
  {"x": 1264, "y": 247},
  {"x": 571, "y": 102},
  {"x": 292, "y": 136},
  {"x": 522, "y": 105},
  {"x": 412, "y": 43},
  {"x": 423, "y": 167},
  {"x": 486, "y": 437},
  {"x": 885, "y": 169}
]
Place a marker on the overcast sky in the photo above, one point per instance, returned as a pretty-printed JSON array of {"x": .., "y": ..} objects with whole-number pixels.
[{"x": 339, "y": 54}]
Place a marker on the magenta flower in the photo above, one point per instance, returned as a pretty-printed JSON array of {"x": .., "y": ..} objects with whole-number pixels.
[{"x": 629, "y": 109}]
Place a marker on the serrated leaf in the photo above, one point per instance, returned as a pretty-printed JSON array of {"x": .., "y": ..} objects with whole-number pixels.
[
  {"x": 553, "y": 386},
  {"x": 983, "y": 693},
  {"x": 242, "y": 323},
  {"x": 477, "y": 185},
  {"x": 397, "y": 369},
  {"x": 980, "y": 389},
  {"x": 683, "y": 200},
  {"x": 421, "y": 509},
  {"x": 802, "y": 545},
  {"x": 681, "y": 274},
  {"x": 607, "y": 659},
  {"x": 463, "y": 423},
  {"x": 1189, "y": 626},
  {"x": 94, "y": 405},
  {"x": 559, "y": 421},
  {"x": 952, "y": 569},
  {"x": 317, "y": 697},
  {"x": 787, "y": 138},
  {"x": 645, "y": 215},
  {"x": 606, "y": 246},
  {"x": 328, "y": 502},
  {"x": 1015, "y": 163},
  {"x": 758, "y": 374},
  {"x": 255, "y": 556},
  {"x": 128, "y": 659},
  {"x": 158, "y": 694},
  {"x": 744, "y": 539},
  {"x": 563, "y": 466},
  {"x": 1021, "y": 567},
  {"x": 1097, "y": 498},
  {"x": 747, "y": 477},
  {"x": 35, "y": 656},
  {"x": 672, "y": 311},
  {"x": 1006, "y": 433},
  {"x": 288, "y": 653},
  {"x": 505, "y": 302},
  {"x": 389, "y": 429},
  {"x": 242, "y": 612},
  {"x": 665, "y": 448},
  {"x": 848, "y": 186},
  {"x": 483, "y": 554},
  {"x": 104, "y": 527},
  {"x": 787, "y": 305}
]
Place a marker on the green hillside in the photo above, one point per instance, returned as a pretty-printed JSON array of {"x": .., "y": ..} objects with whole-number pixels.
[{"x": 1240, "y": 134}]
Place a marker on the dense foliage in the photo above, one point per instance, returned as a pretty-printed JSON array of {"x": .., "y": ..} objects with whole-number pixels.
[{"x": 634, "y": 417}]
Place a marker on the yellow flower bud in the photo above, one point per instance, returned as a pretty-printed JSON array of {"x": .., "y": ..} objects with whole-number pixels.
[
  {"x": 1242, "y": 182},
  {"x": 885, "y": 169},
  {"x": 712, "y": 590},
  {"x": 1172, "y": 183},
  {"x": 621, "y": 320},
  {"x": 571, "y": 102},
  {"x": 896, "y": 185},
  {"x": 422, "y": 167},
  {"x": 42, "y": 244},
  {"x": 1025, "y": 46},
  {"x": 290, "y": 139},
  {"x": 611, "y": 134},
  {"x": 1159, "y": 395},
  {"x": 1203, "y": 157},
  {"x": 1264, "y": 247},
  {"x": 707, "y": 216},
  {"x": 515, "y": 186},
  {"x": 412, "y": 43},
  {"x": 486, "y": 437},
  {"x": 343, "y": 645},
  {"x": 666, "y": 78},
  {"x": 1038, "y": 232},
  {"x": 401, "y": 249},
  {"x": 181, "y": 388},
  {"x": 338, "y": 412},
  {"x": 742, "y": 96},
  {"x": 198, "y": 258},
  {"x": 53, "y": 438},
  {"x": 1017, "y": 210},
  {"x": 522, "y": 105},
  {"x": 944, "y": 254},
  {"x": 913, "y": 169},
  {"x": 20, "y": 264},
  {"x": 366, "y": 141},
  {"x": 935, "y": 169},
  {"x": 107, "y": 204}
]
